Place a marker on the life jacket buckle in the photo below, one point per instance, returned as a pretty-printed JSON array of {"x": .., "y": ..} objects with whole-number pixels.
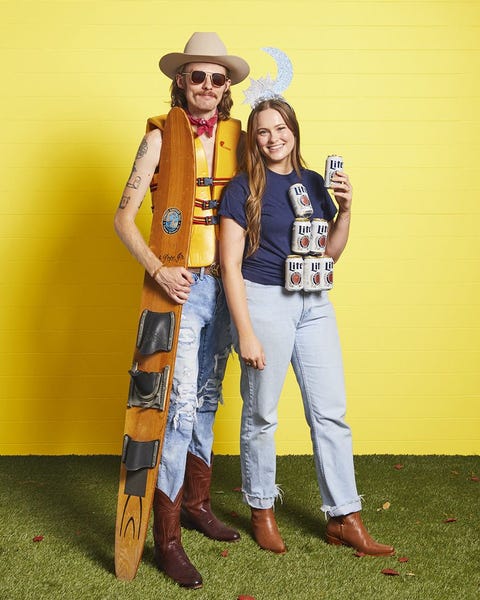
[{"x": 204, "y": 181}]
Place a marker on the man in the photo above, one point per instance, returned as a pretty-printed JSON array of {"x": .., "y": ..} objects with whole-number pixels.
[{"x": 201, "y": 79}]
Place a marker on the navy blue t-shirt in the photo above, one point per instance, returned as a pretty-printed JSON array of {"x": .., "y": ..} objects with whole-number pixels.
[{"x": 267, "y": 264}]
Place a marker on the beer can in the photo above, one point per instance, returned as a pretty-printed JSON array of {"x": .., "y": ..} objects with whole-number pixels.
[
  {"x": 301, "y": 231},
  {"x": 319, "y": 236},
  {"x": 326, "y": 272},
  {"x": 294, "y": 273},
  {"x": 311, "y": 273},
  {"x": 300, "y": 200},
  {"x": 332, "y": 164}
]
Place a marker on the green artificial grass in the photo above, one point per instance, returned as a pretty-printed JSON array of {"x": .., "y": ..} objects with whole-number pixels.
[{"x": 427, "y": 506}]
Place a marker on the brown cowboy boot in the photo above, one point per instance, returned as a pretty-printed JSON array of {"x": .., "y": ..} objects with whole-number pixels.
[
  {"x": 349, "y": 530},
  {"x": 265, "y": 530},
  {"x": 196, "y": 510},
  {"x": 169, "y": 553}
]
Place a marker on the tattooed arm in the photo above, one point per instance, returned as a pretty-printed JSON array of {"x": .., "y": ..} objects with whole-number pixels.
[{"x": 174, "y": 280}]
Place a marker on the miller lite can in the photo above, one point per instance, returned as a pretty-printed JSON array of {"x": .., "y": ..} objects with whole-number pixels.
[
  {"x": 311, "y": 274},
  {"x": 319, "y": 236},
  {"x": 293, "y": 273},
  {"x": 332, "y": 164},
  {"x": 300, "y": 200},
  {"x": 301, "y": 231},
  {"x": 326, "y": 272}
]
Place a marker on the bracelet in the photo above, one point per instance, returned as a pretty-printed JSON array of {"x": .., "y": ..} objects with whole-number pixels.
[{"x": 157, "y": 271}]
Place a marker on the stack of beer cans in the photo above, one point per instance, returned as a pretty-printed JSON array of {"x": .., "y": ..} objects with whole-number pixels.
[{"x": 307, "y": 268}]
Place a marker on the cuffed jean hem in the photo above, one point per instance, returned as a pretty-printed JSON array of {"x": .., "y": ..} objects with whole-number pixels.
[
  {"x": 258, "y": 502},
  {"x": 343, "y": 509}
]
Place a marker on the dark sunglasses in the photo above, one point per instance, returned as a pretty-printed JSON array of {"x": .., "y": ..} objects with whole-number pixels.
[{"x": 197, "y": 77}]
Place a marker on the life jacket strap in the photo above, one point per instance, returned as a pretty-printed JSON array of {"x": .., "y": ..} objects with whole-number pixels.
[
  {"x": 206, "y": 181},
  {"x": 206, "y": 204}
]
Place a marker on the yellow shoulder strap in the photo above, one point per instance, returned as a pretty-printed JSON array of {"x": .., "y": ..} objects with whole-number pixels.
[
  {"x": 226, "y": 142},
  {"x": 156, "y": 123}
]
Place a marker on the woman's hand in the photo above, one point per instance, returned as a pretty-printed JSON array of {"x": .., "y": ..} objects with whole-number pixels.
[
  {"x": 343, "y": 191},
  {"x": 339, "y": 228},
  {"x": 251, "y": 352}
]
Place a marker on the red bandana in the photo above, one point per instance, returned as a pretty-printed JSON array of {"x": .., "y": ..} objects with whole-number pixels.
[{"x": 203, "y": 126}]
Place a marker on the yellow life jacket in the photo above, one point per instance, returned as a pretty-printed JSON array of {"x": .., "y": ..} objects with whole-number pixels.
[{"x": 203, "y": 244}]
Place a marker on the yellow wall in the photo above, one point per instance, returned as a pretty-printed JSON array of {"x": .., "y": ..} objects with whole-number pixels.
[{"x": 393, "y": 86}]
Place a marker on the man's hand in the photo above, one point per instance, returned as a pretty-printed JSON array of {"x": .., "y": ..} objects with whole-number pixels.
[{"x": 175, "y": 281}]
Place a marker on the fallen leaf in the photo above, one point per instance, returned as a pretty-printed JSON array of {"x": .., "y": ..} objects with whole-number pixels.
[
  {"x": 237, "y": 489},
  {"x": 224, "y": 553},
  {"x": 386, "y": 505},
  {"x": 474, "y": 478},
  {"x": 398, "y": 466},
  {"x": 450, "y": 520},
  {"x": 359, "y": 554},
  {"x": 403, "y": 559},
  {"x": 455, "y": 473},
  {"x": 410, "y": 574},
  {"x": 389, "y": 572},
  {"x": 38, "y": 538},
  {"x": 245, "y": 598},
  {"x": 234, "y": 514}
]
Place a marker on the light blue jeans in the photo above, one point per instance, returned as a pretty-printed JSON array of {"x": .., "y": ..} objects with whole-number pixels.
[
  {"x": 204, "y": 344},
  {"x": 296, "y": 327}
]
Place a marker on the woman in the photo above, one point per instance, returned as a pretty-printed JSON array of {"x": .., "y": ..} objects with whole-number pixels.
[{"x": 275, "y": 327}]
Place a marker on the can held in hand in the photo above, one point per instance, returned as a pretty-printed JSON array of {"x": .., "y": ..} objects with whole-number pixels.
[
  {"x": 317, "y": 273},
  {"x": 332, "y": 164},
  {"x": 294, "y": 273},
  {"x": 300, "y": 200},
  {"x": 318, "y": 236},
  {"x": 301, "y": 232}
]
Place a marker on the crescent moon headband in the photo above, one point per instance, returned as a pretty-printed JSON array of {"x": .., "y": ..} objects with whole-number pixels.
[{"x": 265, "y": 88}]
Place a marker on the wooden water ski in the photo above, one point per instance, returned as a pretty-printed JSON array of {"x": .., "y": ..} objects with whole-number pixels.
[{"x": 145, "y": 421}]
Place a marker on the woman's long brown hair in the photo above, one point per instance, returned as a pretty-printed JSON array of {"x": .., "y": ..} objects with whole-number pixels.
[{"x": 255, "y": 166}]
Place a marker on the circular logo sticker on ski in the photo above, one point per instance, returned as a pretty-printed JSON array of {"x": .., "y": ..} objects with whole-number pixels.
[{"x": 171, "y": 220}]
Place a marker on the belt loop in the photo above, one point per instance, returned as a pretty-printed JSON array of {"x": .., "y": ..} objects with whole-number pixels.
[{"x": 202, "y": 273}]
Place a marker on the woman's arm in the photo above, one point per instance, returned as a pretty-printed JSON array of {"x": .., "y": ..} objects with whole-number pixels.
[
  {"x": 232, "y": 246},
  {"x": 339, "y": 228}
]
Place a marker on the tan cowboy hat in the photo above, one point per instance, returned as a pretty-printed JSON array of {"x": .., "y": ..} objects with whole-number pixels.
[{"x": 205, "y": 47}]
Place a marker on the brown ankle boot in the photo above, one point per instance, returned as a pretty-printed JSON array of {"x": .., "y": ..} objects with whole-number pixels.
[
  {"x": 196, "y": 510},
  {"x": 169, "y": 553},
  {"x": 265, "y": 530},
  {"x": 349, "y": 530}
]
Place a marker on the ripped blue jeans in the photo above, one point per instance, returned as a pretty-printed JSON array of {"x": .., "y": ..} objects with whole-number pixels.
[{"x": 204, "y": 344}]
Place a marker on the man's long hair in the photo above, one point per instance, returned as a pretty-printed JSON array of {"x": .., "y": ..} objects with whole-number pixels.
[
  {"x": 255, "y": 166},
  {"x": 177, "y": 95}
]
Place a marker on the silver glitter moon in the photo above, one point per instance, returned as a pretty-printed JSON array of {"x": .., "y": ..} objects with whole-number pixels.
[
  {"x": 265, "y": 88},
  {"x": 284, "y": 69}
]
